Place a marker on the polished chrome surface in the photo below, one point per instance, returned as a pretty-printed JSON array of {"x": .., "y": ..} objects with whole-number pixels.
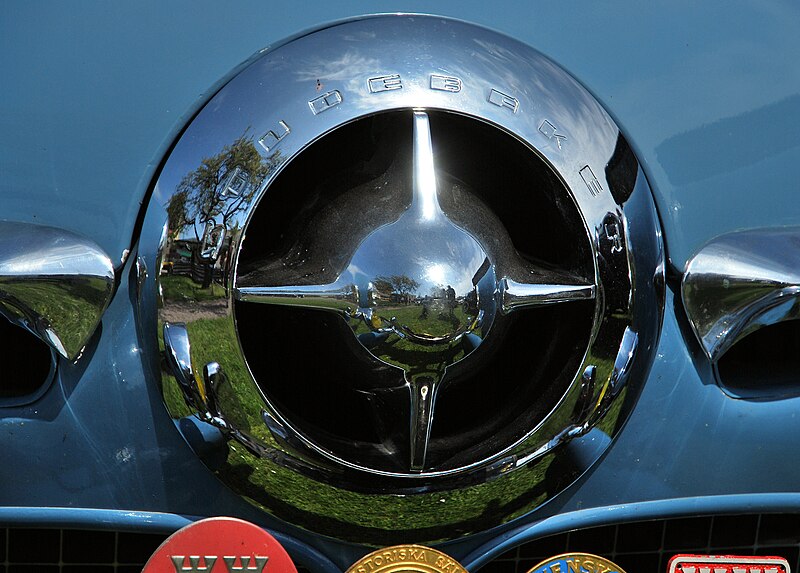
[
  {"x": 741, "y": 282},
  {"x": 516, "y": 295},
  {"x": 53, "y": 283},
  {"x": 201, "y": 394},
  {"x": 419, "y": 286},
  {"x": 415, "y": 238},
  {"x": 178, "y": 352}
]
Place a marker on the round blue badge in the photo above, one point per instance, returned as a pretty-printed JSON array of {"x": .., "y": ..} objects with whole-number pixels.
[{"x": 577, "y": 563}]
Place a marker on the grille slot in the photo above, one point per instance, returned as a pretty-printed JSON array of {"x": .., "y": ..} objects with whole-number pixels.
[
  {"x": 28, "y": 362},
  {"x": 34, "y": 550},
  {"x": 24, "y": 550},
  {"x": 763, "y": 364},
  {"x": 648, "y": 545},
  {"x": 638, "y": 546}
]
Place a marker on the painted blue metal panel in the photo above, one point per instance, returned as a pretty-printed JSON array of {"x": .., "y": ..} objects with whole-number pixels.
[{"x": 93, "y": 96}]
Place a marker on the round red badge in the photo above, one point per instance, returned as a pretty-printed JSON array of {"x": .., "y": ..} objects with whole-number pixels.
[{"x": 220, "y": 545}]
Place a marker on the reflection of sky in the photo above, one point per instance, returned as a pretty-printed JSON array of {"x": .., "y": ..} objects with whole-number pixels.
[
  {"x": 436, "y": 273},
  {"x": 279, "y": 86},
  {"x": 57, "y": 257},
  {"x": 755, "y": 258},
  {"x": 777, "y": 126},
  {"x": 434, "y": 258}
]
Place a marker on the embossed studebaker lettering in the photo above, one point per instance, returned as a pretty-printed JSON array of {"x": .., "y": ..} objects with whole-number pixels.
[
  {"x": 385, "y": 83},
  {"x": 445, "y": 83},
  {"x": 501, "y": 99},
  {"x": 591, "y": 181},
  {"x": 274, "y": 136},
  {"x": 325, "y": 102}
]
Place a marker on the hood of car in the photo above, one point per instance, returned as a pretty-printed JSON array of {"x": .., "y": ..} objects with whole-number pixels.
[{"x": 709, "y": 103}]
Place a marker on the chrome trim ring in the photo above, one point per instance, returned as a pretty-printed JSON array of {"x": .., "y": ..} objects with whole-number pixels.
[{"x": 264, "y": 121}]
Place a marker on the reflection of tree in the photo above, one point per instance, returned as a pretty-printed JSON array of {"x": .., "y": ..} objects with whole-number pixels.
[
  {"x": 396, "y": 286},
  {"x": 220, "y": 187},
  {"x": 177, "y": 213},
  {"x": 383, "y": 286},
  {"x": 210, "y": 197}
]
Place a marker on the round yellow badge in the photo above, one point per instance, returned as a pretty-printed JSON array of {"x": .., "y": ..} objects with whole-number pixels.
[{"x": 402, "y": 558}]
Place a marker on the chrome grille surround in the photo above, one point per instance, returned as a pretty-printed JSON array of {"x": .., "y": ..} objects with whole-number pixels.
[{"x": 287, "y": 99}]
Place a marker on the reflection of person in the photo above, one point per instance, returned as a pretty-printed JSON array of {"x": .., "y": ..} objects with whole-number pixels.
[
  {"x": 450, "y": 302},
  {"x": 471, "y": 302},
  {"x": 451, "y": 296}
]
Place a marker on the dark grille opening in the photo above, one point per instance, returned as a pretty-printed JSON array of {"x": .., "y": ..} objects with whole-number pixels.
[
  {"x": 25, "y": 550},
  {"x": 28, "y": 364},
  {"x": 764, "y": 364},
  {"x": 28, "y": 550},
  {"x": 636, "y": 547},
  {"x": 647, "y": 546}
]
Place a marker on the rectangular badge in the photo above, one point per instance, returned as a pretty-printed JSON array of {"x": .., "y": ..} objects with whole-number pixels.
[{"x": 727, "y": 564}]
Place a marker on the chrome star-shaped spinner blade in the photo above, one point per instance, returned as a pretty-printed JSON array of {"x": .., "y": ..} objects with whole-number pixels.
[{"x": 421, "y": 293}]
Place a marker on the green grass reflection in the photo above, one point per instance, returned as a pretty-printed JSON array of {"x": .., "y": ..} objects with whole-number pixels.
[{"x": 332, "y": 510}]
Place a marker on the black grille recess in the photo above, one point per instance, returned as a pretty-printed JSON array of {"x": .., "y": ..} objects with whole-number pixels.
[
  {"x": 34, "y": 550},
  {"x": 28, "y": 362},
  {"x": 24, "y": 550},
  {"x": 647, "y": 546}
]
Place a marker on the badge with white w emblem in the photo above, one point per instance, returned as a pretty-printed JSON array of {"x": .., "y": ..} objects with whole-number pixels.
[
  {"x": 191, "y": 563},
  {"x": 220, "y": 545}
]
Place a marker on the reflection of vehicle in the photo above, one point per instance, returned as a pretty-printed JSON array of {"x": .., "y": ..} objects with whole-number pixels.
[{"x": 669, "y": 444}]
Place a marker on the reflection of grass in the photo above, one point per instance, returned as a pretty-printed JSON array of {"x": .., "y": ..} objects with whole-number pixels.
[
  {"x": 212, "y": 340},
  {"x": 71, "y": 315},
  {"x": 439, "y": 321},
  {"x": 419, "y": 359},
  {"x": 332, "y": 510},
  {"x": 343, "y": 513},
  {"x": 180, "y": 288},
  {"x": 173, "y": 398},
  {"x": 369, "y": 517}
]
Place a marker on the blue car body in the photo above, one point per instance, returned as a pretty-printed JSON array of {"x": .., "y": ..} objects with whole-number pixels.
[{"x": 94, "y": 97}]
